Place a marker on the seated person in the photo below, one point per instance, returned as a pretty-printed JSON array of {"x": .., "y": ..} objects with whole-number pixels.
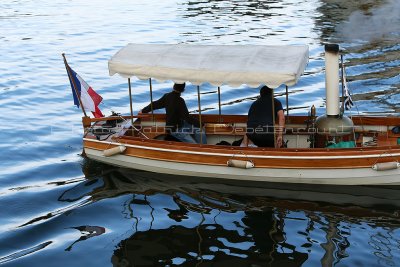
[
  {"x": 178, "y": 123},
  {"x": 260, "y": 128}
]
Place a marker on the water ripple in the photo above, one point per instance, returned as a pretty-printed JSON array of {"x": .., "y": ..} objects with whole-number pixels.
[
  {"x": 94, "y": 214},
  {"x": 24, "y": 252}
]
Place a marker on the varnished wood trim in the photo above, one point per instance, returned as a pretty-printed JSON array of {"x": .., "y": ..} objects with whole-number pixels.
[
  {"x": 257, "y": 150},
  {"x": 217, "y": 160},
  {"x": 228, "y": 153}
]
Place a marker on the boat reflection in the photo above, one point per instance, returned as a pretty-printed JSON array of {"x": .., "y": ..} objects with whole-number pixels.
[
  {"x": 196, "y": 221},
  {"x": 245, "y": 195},
  {"x": 207, "y": 242}
]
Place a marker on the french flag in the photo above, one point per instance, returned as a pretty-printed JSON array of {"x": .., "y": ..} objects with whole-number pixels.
[{"x": 90, "y": 99}]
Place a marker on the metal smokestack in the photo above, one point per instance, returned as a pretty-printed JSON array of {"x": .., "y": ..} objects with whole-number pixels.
[
  {"x": 332, "y": 79},
  {"x": 333, "y": 123}
]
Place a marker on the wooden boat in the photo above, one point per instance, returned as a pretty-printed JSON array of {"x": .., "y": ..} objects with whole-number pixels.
[{"x": 140, "y": 142}]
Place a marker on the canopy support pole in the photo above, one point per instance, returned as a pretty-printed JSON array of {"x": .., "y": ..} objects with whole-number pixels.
[
  {"x": 219, "y": 104},
  {"x": 273, "y": 115},
  {"x": 287, "y": 101},
  {"x": 151, "y": 102},
  {"x": 198, "y": 102},
  {"x": 130, "y": 102}
]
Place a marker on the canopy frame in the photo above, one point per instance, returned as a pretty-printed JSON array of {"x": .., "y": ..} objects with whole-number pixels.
[{"x": 253, "y": 65}]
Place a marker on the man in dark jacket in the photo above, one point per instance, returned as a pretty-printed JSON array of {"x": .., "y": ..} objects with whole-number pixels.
[
  {"x": 178, "y": 121},
  {"x": 260, "y": 127}
]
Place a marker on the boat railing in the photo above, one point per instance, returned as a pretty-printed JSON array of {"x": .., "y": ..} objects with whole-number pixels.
[{"x": 375, "y": 131}]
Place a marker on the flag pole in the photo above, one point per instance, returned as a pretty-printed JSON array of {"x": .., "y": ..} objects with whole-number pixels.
[{"x": 73, "y": 83}]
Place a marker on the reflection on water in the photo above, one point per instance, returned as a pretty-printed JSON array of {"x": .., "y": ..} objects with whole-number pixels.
[
  {"x": 209, "y": 243},
  {"x": 369, "y": 33},
  {"x": 87, "y": 231},
  {"x": 231, "y": 22},
  {"x": 198, "y": 221}
]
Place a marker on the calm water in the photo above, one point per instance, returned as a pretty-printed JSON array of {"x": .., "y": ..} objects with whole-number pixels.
[{"x": 59, "y": 209}]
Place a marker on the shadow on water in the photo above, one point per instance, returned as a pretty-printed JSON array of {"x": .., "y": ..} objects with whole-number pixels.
[{"x": 208, "y": 222}]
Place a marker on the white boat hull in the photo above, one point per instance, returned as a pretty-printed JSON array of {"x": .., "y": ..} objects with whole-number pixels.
[{"x": 353, "y": 176}]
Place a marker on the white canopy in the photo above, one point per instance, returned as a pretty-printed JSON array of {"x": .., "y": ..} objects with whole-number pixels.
[{"x": 217, "y": 64}]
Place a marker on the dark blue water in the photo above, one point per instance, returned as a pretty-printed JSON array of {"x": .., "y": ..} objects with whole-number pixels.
[{"x": 59, "y": 209}]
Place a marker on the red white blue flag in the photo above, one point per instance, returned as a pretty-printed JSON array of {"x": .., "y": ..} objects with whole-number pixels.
[{"x": 90, "y": 99}]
